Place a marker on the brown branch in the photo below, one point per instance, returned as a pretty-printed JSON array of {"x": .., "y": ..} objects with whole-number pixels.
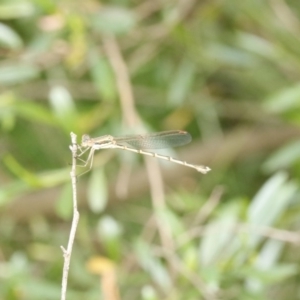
[{"x": 68, "y": 252}]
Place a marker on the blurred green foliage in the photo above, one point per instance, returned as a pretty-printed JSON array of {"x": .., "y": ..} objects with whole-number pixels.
[{"x": 226, "y": 71}]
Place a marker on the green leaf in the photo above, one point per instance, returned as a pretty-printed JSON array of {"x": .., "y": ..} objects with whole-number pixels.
[
  {"x": 16, "y": 9},
  {"x": 181, "y": 82},
  {"x": 103, "y": 76},
  {"x": 7, "y": 114},
  {"x": 10, "y": 107},
  {"x": 283, "y": 158},
  {"x": 21, "y": 172},
  {"x": 230, "y": 55},
  {"x": 97, "y": 190},
  {"x": 15, "y": 73},
  {"x": 271, "y": 200},
  {"x": 149, "y": 293},
  {"x": 284, "y": 100},
  {"x": 10, "y": 191},
  {"x": 63, "y": 107},
  {"x": 269, "y": 254},
  {"x": 34, "y": 112},
  {"x": 43, "y": 179},
  {"x": 170, "y": 221},
  {"x": 221, "y": 235},
  {"x": 9, "y": 38},
  {"x": 152, "y": 265},
  {"x": 114, "y": 20},
  {"x": 270, "y": 203},
  {"x": 256, "y": 44},
  {"x": 109, "y": 231}
]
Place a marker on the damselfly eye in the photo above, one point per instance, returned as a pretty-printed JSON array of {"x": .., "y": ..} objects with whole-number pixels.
[{"x": 85, "y": 138}]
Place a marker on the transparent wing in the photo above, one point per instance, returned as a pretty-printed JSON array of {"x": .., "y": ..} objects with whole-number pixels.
[{"x": 158, "y": 140}]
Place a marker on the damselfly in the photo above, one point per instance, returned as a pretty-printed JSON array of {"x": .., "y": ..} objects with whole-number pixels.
[{"x": 137, "y": 144}]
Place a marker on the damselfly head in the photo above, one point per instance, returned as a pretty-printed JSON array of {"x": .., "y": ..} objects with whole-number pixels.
[{"x": 85, "y": 140}]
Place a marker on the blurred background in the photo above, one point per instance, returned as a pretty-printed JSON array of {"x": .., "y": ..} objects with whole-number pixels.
[{"x": 225, "y": 71}]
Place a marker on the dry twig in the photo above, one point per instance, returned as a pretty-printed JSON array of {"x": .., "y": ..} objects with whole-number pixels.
[{"x": 67, "y": 252}]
